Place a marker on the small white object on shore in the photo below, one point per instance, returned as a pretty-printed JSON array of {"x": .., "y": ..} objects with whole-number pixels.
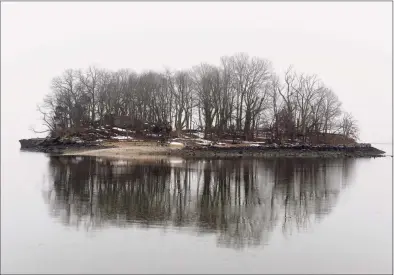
[{"x": 174, "y": 143}]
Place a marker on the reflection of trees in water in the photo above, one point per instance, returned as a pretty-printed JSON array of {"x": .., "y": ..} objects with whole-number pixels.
[{"x": 241, "y": 200}]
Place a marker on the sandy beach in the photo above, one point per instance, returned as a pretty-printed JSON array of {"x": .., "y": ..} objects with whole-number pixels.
[{"x": 130, "y": 150}]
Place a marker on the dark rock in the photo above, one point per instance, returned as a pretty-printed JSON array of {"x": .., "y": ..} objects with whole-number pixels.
[
  {"x": 56, "y": 145},
  {"x": 30, "y": 143}
]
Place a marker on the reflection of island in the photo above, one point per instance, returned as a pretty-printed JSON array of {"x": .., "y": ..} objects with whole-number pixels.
[{"x": 242, "y": 201}]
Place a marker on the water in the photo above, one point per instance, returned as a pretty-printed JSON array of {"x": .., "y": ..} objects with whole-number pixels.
[{"x": 89, "y": 215}]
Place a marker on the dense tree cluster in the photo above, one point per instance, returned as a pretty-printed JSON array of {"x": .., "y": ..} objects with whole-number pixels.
[{"x": 242, "y": 95}]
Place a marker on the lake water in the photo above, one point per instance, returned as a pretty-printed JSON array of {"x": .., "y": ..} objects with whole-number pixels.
[{"x": 89, "y": 215}]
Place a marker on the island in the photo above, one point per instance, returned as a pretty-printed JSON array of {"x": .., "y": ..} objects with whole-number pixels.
[{"x": 240, "y": 108}]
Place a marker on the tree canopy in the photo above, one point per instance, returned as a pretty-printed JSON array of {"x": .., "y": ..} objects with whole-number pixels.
[{"x": 243, "y": 94}]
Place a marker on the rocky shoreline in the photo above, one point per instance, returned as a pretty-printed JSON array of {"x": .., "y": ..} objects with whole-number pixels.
[
  {"x": 75, "y": 145},
  {"x": 332, "y": 152},
  {"x": 58, "y": 145}
]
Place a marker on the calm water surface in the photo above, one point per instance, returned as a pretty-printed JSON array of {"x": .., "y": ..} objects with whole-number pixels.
[{"x": 91, "y": 215}]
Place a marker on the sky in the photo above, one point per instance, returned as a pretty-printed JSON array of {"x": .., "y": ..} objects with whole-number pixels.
[{"x": 348, "y": 45}]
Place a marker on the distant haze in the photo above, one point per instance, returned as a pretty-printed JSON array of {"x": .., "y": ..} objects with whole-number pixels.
[{"x": 348, "y": 45}]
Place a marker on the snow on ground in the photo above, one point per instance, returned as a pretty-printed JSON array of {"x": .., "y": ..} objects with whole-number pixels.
[
  {"x": 199, "y": 134},
  {"x": 79, "y": 141},
  {"x": 119, "y": 129},
  {"x": 253, "y": 142},
  {"x": 121, "y": 137},
  {"x": 204, "y": 141}
]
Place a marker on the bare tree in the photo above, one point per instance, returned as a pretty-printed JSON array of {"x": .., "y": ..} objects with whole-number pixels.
[
  {"x": 348, "y": 126},
  {"x": 306, "y": 91},
  {"x": 181, "y": 92},
  {"x": 225, "y": 98},
  {"x": 250, "y": 76},
  {"x": 89, "y": 80},
  {"x": 288, "y": 96},
  {"x": 331, "y": 110},
  {"x": 206, "y": 84},
  {"x": 276, "y": 104}
]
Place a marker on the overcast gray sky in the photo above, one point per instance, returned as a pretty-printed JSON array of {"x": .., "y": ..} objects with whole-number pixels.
[{"x": 347, "y": 44}]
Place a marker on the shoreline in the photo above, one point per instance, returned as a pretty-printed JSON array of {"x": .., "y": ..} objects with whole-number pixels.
[{"x": 151, "y": 150}]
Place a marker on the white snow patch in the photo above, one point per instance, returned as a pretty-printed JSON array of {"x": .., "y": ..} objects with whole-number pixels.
[
  {"x": 254, "y": 145},
  {"x": 253, "y": 142},
  {"x": 199, "y": 134},
  {"x": 204, "y": 142},
  {"x": 119, "y": 129},
  {"x": 121, "y": 137}
]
